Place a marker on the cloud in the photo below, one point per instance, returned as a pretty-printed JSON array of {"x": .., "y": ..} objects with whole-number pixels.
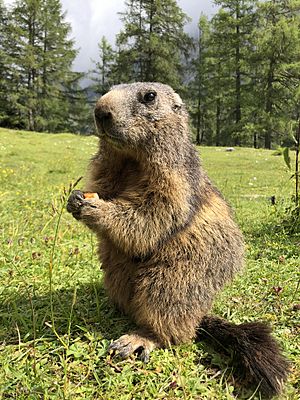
[
  {"x": 90, "y": 20},
  {"x": 93, "y": 19}
]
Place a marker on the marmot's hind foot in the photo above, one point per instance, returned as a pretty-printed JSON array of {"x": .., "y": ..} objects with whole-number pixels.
[{"x": 133, "y": 343}]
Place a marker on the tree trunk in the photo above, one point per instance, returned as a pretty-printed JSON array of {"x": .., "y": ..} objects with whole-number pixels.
[
  {"x": 198, "y": 139},
  {"x": 150, "y": 76},
  {"x": 44, "y": 76},
  {"x": 218, "y": 122},
  {"x": 140, "y": 27},
  {"x": 31, "y": 76},
  {"x": 238, "y": 114},
  {"x": 297, "y": 168},
  {"x": 255, "y": 140},
  {"x": 202, "y": 126},
  {"x": 269, "y": 104},
  {"x": 198, "y": 120}
]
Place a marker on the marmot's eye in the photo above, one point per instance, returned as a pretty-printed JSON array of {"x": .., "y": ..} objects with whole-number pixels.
[{"x": 149, "y": 97}]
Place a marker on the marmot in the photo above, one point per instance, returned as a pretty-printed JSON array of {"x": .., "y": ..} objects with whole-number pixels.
[{"x": 167, "y": 239}]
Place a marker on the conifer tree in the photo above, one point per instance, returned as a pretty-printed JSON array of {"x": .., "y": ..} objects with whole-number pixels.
[
  {"x": 3, "y": 63},
  {"x": 152, "y": 42},
  {"x": 40, "y": 55},
  {"x": 200, "y": 94},
  {"x": 277, "y": 61},
  {"x": 232, "y": 33},
  {"x": 57, "y": 56},
  {"x": 79, "y": 111},
  {"x": 103, "y": 74}
]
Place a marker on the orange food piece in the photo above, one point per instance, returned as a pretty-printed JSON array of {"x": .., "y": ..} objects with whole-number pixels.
[{"x": 91, "y": 196}]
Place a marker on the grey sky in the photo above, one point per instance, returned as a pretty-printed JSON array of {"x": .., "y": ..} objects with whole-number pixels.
[{"x": 92, "y": 19}]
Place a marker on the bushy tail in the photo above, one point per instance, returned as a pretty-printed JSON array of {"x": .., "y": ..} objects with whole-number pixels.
[{"x": 256, "y": 355}]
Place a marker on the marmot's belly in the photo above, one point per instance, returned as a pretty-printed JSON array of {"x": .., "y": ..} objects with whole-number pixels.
[
  {"x": 195, "y": 263},
  {"x": 118, "y": 274}
]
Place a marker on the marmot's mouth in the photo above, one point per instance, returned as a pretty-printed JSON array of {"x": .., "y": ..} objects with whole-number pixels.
[
  {"x": 104, "y": 130},
  {"x": 107, "y": 129},
  {"x": 114, "y": 136}
]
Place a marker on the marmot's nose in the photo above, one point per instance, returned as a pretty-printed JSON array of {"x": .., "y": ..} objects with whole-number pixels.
[{"x": 103, "y": 114}]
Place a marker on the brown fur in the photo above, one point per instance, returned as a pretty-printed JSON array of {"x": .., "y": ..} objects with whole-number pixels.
[{"x": 167, "y": 240}]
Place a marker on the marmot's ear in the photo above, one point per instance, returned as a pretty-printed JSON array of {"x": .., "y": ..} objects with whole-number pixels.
[
  {"x": 177, "y": 107},
  {"x": 178, "y": 103}
]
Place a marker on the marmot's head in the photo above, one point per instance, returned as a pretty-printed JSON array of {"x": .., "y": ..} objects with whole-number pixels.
[{"x": 138, "y": 114}]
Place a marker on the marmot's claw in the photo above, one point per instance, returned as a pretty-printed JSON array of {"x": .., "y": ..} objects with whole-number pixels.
[
  {"x": 75, "y": 203},
  {"x": 113, "y": 347},
  {"x": 118, "y": 350},
  {"x": 145, "y": 356},
  {"x": 124, "y": 352},
  {"x": 129, "y": 344},
  {"x": 77, "y": 195},
  {"x": 121, "y": 348}
]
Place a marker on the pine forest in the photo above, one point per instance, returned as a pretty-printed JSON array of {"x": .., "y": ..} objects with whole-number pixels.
[{"x": 239, "y": 74}]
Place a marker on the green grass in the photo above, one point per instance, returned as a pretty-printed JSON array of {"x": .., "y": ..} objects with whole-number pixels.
[{"x": 56, "y": 321}]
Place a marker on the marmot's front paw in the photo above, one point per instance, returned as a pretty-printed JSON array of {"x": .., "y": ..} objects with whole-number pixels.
[
  {"x": 75, "y": 203},
  {"x": 79, "y": 201}
]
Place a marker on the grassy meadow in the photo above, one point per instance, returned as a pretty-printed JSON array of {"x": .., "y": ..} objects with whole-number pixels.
[{"x": 55, "y": 319}]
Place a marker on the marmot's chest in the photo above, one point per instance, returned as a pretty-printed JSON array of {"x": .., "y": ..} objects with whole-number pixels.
[{"x": 127, "y": 182}]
